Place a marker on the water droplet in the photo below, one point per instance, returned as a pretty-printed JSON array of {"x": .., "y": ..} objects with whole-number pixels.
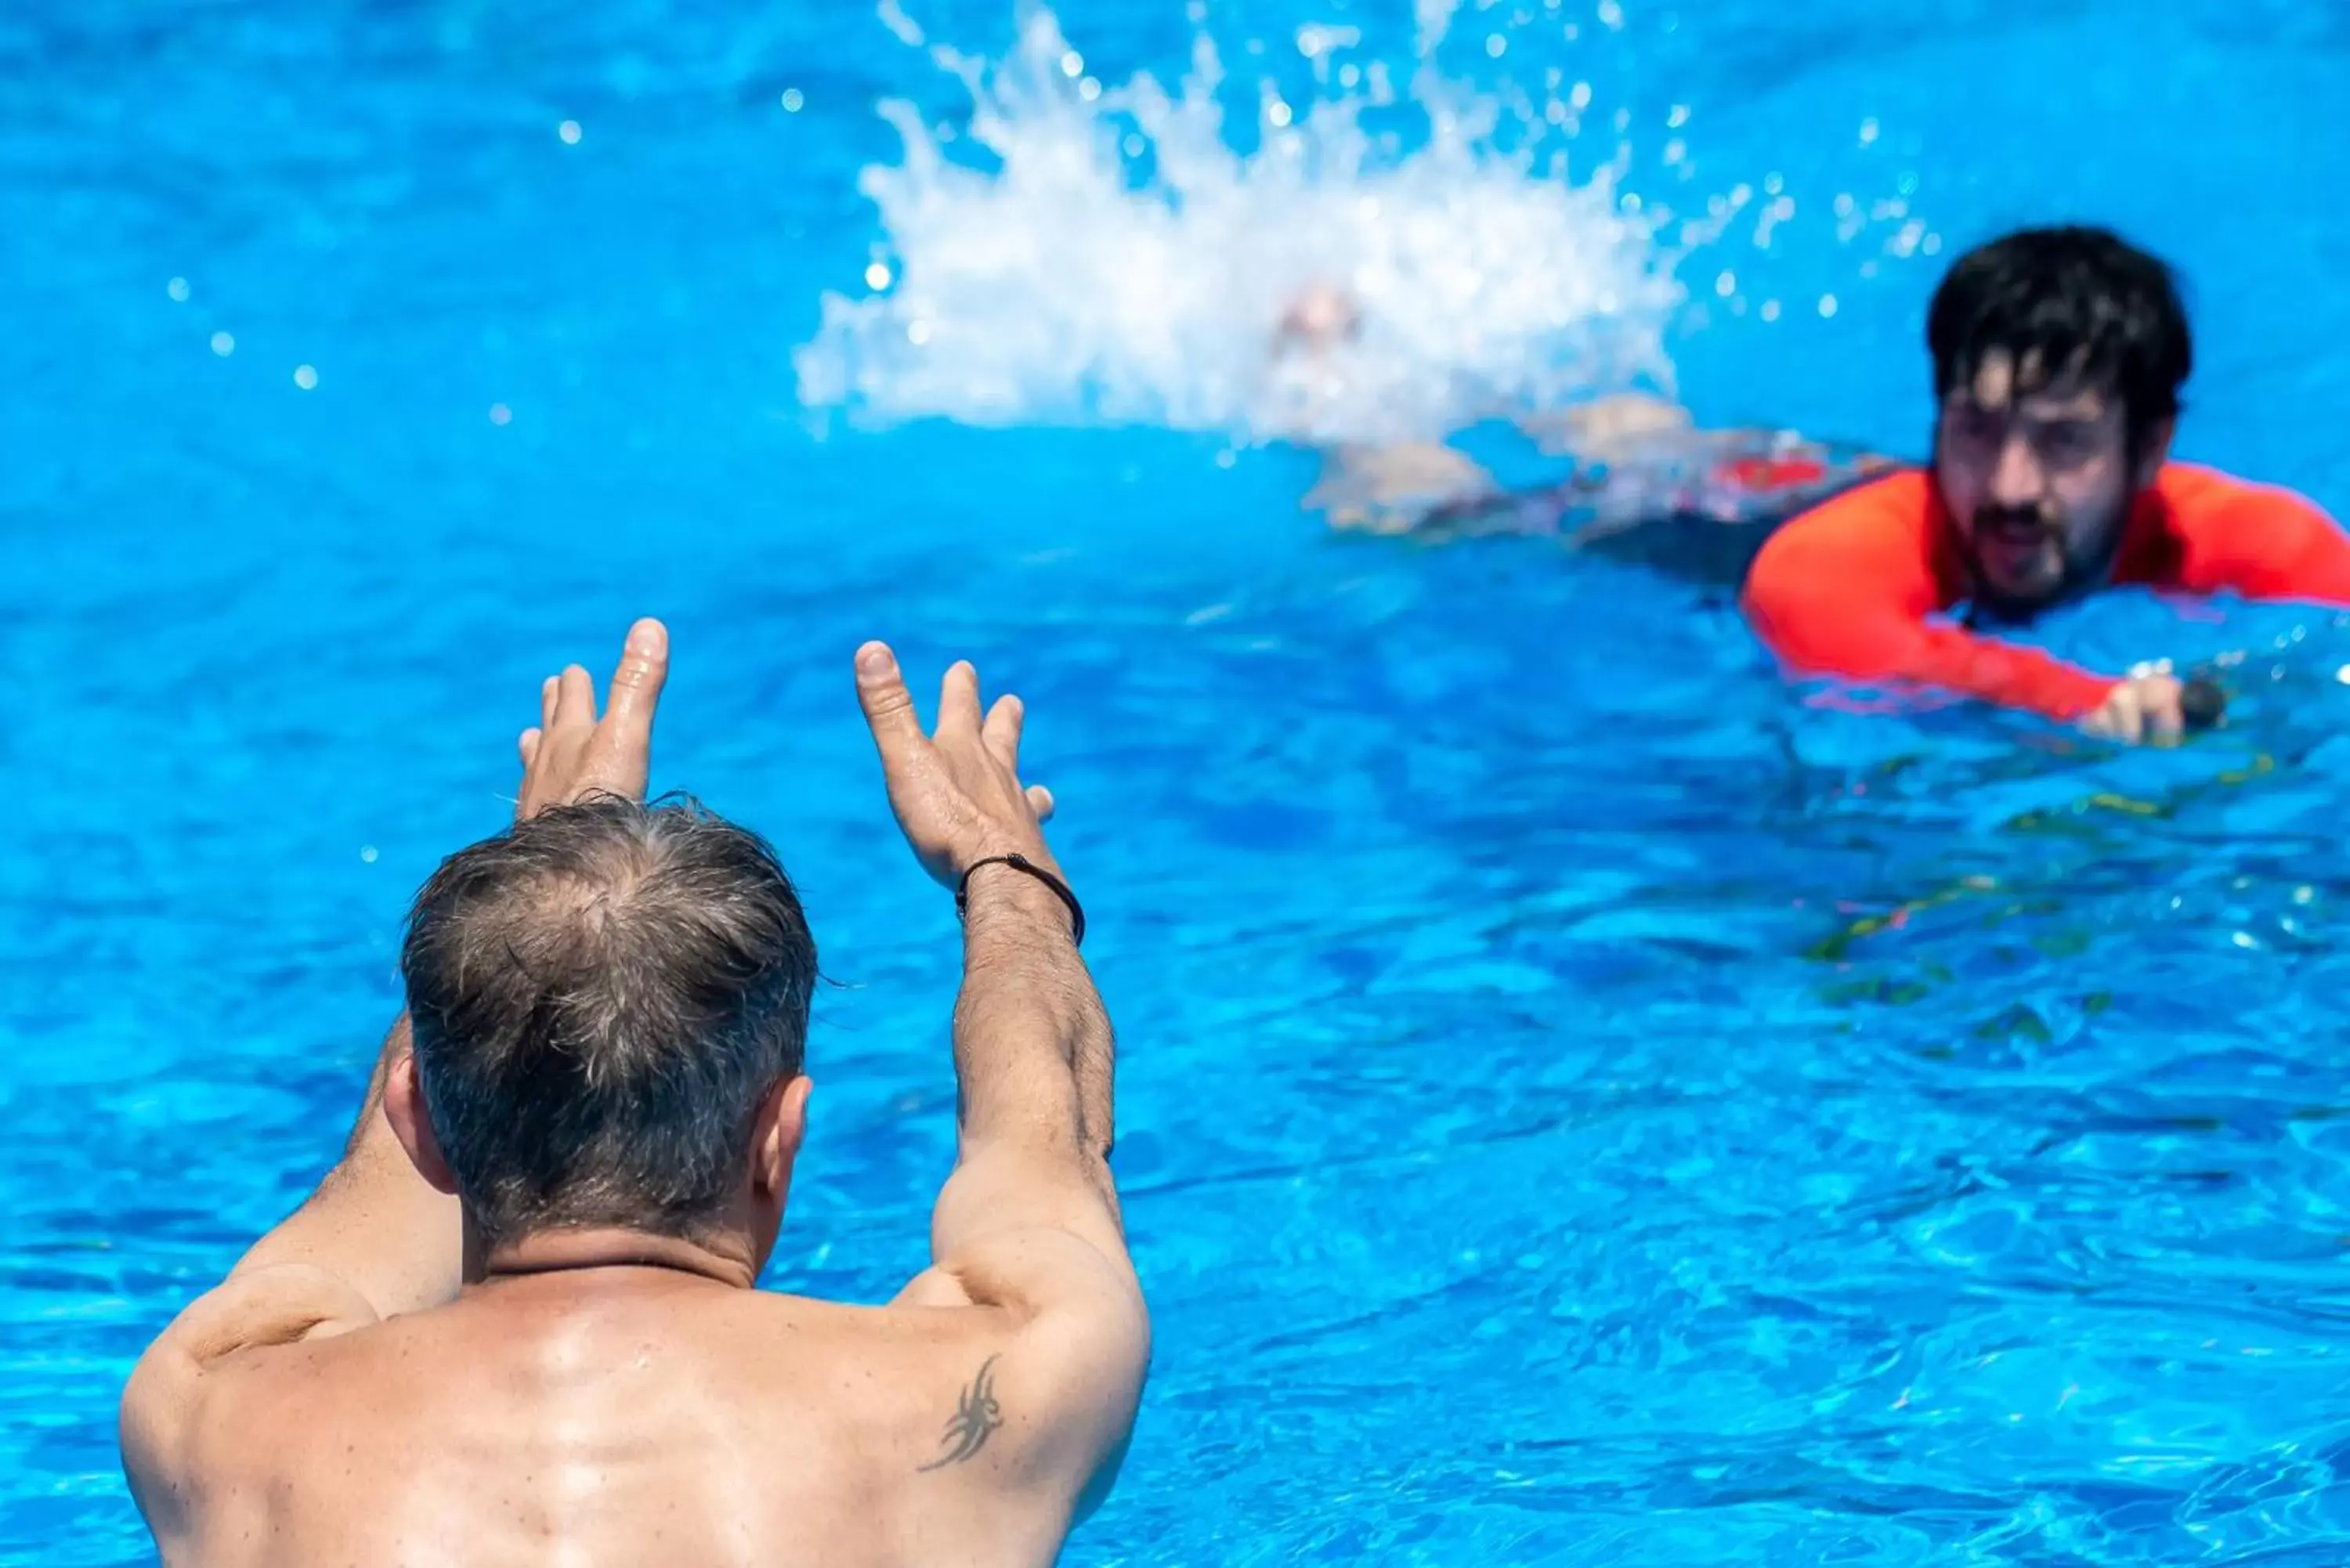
[
  {"x": 1277, "y": 112},
  {"x": 177, "y": 289},
  {"x": 570, "y": 131},
  {"x": 305, "y": 377},
  {"x": 877, "y": 276},
  {"x": 918, "y": 333},
  {"x": 1072, "y": 65},
  {"x": 1496, "y": 45},
  {"x": 792, "y": 99},
  {"x": 1867, "y": 132},
  {"x": 1827, "y": 305},
  {"x": 500, "y": 415},
  {"x": 366, "y": 853},
  {"x": 224, "y": 345}
]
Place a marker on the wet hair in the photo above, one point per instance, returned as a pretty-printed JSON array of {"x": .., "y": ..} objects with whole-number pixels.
[
  {"x": 2075, "y": 297},
  {"x": 600, "y": 997}
]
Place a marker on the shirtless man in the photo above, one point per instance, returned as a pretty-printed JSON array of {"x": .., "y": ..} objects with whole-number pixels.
[{"x": 516, "y": 1324}]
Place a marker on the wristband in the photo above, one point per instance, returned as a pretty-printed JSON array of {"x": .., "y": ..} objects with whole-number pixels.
[{"x": 1022, "y": 863}]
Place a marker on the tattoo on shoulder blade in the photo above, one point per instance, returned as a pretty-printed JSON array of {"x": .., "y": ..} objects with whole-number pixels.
[{"x": 976, "y": 1418}]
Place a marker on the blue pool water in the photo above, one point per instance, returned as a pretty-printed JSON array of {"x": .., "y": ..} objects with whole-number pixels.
[{"x": 1582, "y": 1104}]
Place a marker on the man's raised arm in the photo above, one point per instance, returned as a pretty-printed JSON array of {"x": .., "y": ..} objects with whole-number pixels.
[
  {"x": 1029, "y": 1220},
  {"x": 376, "y": 1238},
  {"x": 1032, "y": 1044},
  {"x": 374, "y": 1224}
]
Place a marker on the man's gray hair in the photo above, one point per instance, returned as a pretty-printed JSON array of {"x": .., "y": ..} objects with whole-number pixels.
[{"x": 600, "y": 998}]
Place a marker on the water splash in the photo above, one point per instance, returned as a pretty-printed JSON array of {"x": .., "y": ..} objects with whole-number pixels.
[{"x": 1082, "y": 252}]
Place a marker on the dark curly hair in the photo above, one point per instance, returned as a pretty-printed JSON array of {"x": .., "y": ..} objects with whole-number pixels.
[{"x": 2068, "y": 299}]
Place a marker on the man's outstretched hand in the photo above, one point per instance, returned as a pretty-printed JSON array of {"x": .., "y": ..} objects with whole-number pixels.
[
  {"x": 571, "y": 753},
  {"x": 956, "y": 791},
  {"x": 2158, "y": 707}
]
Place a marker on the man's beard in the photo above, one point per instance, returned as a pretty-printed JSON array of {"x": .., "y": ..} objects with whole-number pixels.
[{"x": 2082, "y": 572}]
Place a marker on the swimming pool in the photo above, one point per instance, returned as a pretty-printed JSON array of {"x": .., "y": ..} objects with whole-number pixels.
[{"x": 1580, "y": 1104}]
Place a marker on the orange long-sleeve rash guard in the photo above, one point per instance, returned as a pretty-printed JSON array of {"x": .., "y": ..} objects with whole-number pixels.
[{"x": 1848, "y": 588}]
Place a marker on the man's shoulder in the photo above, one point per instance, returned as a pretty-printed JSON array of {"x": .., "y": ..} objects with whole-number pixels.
[
  {"x": 1896, "y": 505},
  {"x": 2209, "y": 531},
  {"x": 1879, "y": 526},
  {"x": 739, "y": 1367},
  {"x": 2192, "y": 490},
  {"x": 248, "y": 1323}
]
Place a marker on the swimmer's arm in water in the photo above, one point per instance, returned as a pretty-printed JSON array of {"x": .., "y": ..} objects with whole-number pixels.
[
  {"x": 376, "y": 1239},
  {"x": 1389, "y": 489},
  {"x": 1606, "y": 429},
  {"x": 1027, "y": 1227},
  {"x": 1858, "y": 613},
  {"x": 1398, "y": 489}
]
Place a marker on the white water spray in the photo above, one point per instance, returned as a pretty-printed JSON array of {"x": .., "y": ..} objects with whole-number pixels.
[{"x": 1120, "y": 263}]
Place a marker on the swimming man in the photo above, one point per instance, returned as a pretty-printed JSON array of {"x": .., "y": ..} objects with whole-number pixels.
[
  {"x": 515, "y": 1323},
  {"x": 2058, "y": 355}
]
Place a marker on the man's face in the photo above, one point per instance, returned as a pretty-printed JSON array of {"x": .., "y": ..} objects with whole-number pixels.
[{"x": 2037, "y": 470}]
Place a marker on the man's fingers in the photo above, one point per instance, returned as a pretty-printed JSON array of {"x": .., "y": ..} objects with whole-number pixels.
[
  {"x": 888, "y": 706},
  {"x": 2129, "y": 722},
  {"x": 959, "y": 700},
  {"x": 1002, "y": 731},
  {"x": 547, "y": 694},
  {"x": 2165, "y": 723},
  {"x": 575, "y": 699},
  {"x": 636, "y": 684},
  {"x": 1040, "y": 801},
  {"x": 528, "y": 746}
]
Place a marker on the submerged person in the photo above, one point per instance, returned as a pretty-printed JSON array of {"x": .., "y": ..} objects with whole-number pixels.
[
  {"x": 2058, "y": 355},
  {"x": 1646, "y": 483},
  {"x": 515, "y": 1323}
]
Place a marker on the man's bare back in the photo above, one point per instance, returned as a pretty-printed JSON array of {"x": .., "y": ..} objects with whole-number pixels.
[
  {"x": 644, "y": 1416},
  {"x": 599, "y": 1395}
]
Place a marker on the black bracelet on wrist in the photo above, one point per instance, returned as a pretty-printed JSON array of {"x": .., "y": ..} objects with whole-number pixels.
[{"x": 1022, "y": 863}]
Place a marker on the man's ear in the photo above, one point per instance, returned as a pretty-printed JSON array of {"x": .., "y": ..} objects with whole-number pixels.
[
  {"x": 403, "y": 1105},
  {"x": 776, "y": 1132},
  {"x": 2154, "y": 450}
]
